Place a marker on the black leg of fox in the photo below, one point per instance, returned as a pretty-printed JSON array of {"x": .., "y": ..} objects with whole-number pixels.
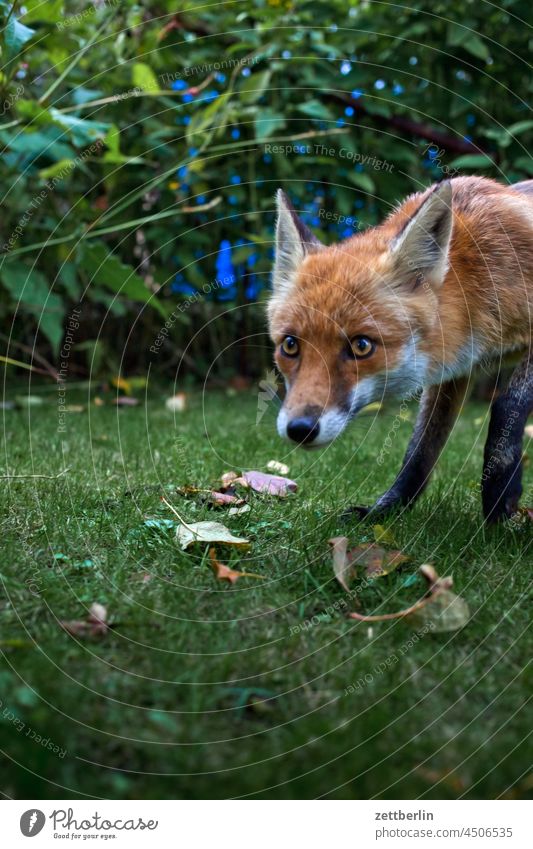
[
  {"x": 501, "y": 484},
  {"x": 439, "y": 407}
]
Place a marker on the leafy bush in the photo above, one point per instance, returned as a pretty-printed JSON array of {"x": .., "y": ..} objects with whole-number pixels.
[{"x": 142, "y": 148}]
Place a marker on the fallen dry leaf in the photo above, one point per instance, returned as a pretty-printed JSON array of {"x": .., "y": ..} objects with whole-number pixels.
[
  {"x": 122, "y": 383},
  {"x": 259, "y": 482},
  {"x": 441, "y": 609},
  {"x": 229, "y": 478},
  {"x": 276, "y": 466},
  {"x": 378, "y": 561},
  {"x": 342, "y": 565},
  {"x": 384, "y": 535},
  {"x": 125, "y": 401},
  {"x": 189, "y": 490},
  {"x": 97, "y": 614},
  {"x": 238, "y": 511},
  {"x": 221, "y": 499},
  {"x": 203, "y": 532},
  {"x": 187, "y": 534},
  {"x": 94, "y": 626},
  {"x": 225, "y": 573},
  {"x": 375, "y": 560},
  {"x": 216, "y": 497},
  {"x": 271, "y": 484},
  {"x": 177, "y": 403},
  {"x": 528, "y": 430}
]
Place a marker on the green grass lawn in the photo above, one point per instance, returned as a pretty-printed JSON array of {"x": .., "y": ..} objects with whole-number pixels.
[{"x": 203, "y": 689}]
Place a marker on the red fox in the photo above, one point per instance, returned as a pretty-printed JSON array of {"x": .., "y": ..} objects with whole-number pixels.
[{"x": 413, "y": 305}]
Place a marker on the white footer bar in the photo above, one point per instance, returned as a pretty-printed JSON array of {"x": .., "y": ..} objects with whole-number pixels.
[{"x": 264, "y": 824}]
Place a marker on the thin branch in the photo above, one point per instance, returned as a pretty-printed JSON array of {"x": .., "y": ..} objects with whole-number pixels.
[
  {"x": 409, "y": 126},
  {"x": 10, "y": 362},
  {"x": 182, "y": 521},
  {"x": 204, "y": 206},
  {"x": 33, "y": 353},
  {"x": 46, "y": 477}
]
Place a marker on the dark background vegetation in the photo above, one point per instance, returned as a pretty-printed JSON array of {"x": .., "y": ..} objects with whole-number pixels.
[{"x": 135, "y": 169}]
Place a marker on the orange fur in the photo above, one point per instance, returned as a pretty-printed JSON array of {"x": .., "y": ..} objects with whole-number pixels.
[{"x": 485, "y": 299}]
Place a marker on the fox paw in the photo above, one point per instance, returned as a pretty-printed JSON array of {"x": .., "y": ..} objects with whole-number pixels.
[
  {"x": 355, "y": 512},
  {"x": 500, "y": 500}
]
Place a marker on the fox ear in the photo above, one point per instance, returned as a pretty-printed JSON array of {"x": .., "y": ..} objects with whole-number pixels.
[
  {"x": 422, "y": 246},
  {"x": 294, "y": 241}
]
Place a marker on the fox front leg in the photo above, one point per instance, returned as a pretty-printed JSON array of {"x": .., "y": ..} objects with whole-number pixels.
[
  {"x": 439, "y": 407},
  {"x": 501, "y": 483}
]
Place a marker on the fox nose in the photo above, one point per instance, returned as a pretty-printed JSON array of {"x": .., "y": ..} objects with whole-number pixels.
[{"x": 303, "y": 429}]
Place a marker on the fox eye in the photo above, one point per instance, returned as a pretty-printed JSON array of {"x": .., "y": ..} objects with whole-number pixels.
[
  {"x": 290, "y": 347},
  {"x": 362, "y": 347}
]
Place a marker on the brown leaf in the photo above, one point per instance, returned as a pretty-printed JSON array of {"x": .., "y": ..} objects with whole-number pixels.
[
  {"x": 228, "y": 478},
  {"x": 441, "y": 609},
  {"x": 77, "y": 627},
  {"x": 213, "y": 496},
  {"x": 375, "y": 560},
  {"x": 225, "y": 573},
  {"x": 189, "y": 490},
  {"x": 94, "y": 626}
]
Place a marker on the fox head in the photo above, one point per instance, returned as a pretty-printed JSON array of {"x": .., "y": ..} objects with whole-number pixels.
[{"x": 353, "y": 323}]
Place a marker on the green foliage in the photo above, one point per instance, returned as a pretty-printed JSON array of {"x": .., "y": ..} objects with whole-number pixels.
[{"x": 136, "y": 141}]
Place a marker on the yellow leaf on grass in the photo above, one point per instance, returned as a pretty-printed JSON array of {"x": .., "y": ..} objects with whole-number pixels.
[
  {"x": 383, "y": 535},
  {"x": 189, "y": 533},
  {"x": 122, "y": 384},
  {"x": 203, "y": 532}
]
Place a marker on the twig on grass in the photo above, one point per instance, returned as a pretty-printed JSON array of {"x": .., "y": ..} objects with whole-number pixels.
[{"x": 47, "y": 477}]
